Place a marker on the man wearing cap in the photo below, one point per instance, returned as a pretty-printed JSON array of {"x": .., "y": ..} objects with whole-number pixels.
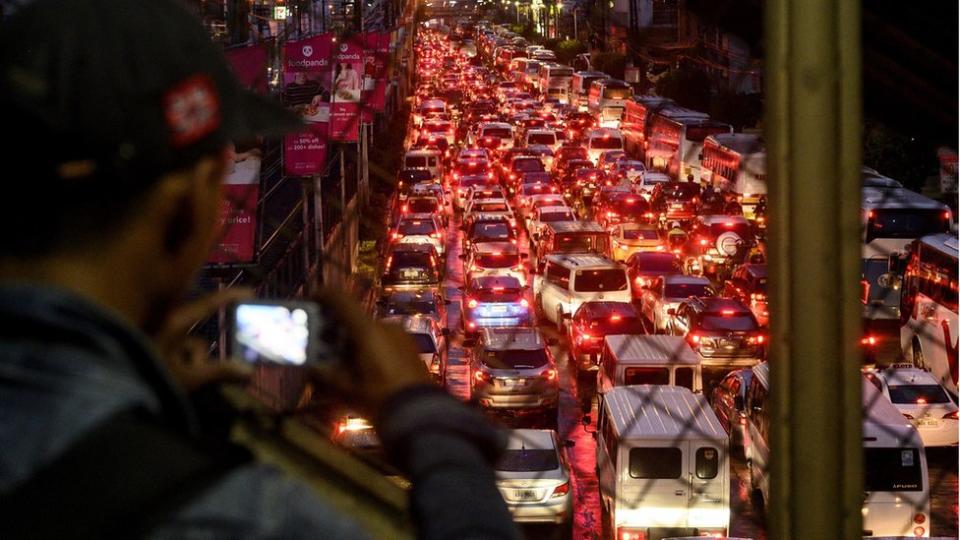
[{"x": 119, "y": 118}]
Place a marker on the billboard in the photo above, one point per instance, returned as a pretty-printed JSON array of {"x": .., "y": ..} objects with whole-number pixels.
[
  {"x": 238, "y": 211},
  {"x": 306, "y": 90},
  {"x": 348, "y": 73}
]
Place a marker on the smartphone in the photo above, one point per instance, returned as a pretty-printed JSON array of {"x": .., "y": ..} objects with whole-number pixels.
[{"x": 279, "y": 332}]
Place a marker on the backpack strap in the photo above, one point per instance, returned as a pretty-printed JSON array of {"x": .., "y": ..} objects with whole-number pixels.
[{"x": 119, "y": 480}]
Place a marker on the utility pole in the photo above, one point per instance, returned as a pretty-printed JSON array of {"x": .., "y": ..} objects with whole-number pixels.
[{"x": 813, "y": 133}]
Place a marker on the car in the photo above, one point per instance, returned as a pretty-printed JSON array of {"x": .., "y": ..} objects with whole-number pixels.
[
  {"x": 414, "y": 302},
  {"x": 645, "y": 266},
  {"x": 548, "y": 214},
  {"x": 429, "y": 339},
  {"x": 629, "y": 238},
  {"x": 537, "y": 201},
  {"x": 408, "y": 178},
  {"x": 470, "y": 167},
  {"x": 728, "y": 399},
  {"x": 622, "y": 207},
  {"x": 512, "y": 369},
  {"x": 533, "y": 477},
  {"x": 488, "y": 228},
  {"x": 411, "y": 267},
  {"x": 588, "y": 180},
  {"x": 676, "y": 201},
  {"x": 419, "y": 229},
  {"x": 494, "y": 301},
  {"x": 722, "y": 331},
  {"x": 627, "y": 169},
  {"x": 498, "y": 207},
  {"x": 483, "y": 193},
  {"x": 519, "y": 165},
  {"x": 356, "y": 433},
  {"x": 716, "y": 240},
  {"x": 608, "y": 158},
  {"x": 494, "y": 259},
  {"x": 648, "y": 181},
  {"x": 544, "y": 152},
  {"x": 570, "y": 280},
  {"x": 537, "y": 184},
  {"x": 466, "y": 183},
  {"x": 595, "y": 320},
  {"x": 665, "y": 293},
  {"x": 424, "y": 205},
  {"x": 748, "y": 283},
  {"x": 921, "y": 399}
]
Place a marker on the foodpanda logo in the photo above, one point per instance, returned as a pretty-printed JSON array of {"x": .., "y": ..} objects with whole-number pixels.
[
  {"x": 343, "y": 47},
  {"x": 307, "y": 51}
]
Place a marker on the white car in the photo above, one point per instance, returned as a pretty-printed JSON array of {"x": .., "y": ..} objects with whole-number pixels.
[
  {"x": 548, "y": 214},
  {"x": 666, "y": 293},
  {"x": 649, "y": 180},
  {"x": 491, "y": 206},
  {"x": 921, "y": 399},
  {"x": 420, "y": 229},
  {"x": 533, "y": 476},
  {"x": 539, "y": 201},
  {"x": 494, "y": 259},
  {"x": 570, "y": 280}
]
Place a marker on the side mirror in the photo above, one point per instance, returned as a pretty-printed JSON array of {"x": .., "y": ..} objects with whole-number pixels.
[{"x": 738, "y": 402}]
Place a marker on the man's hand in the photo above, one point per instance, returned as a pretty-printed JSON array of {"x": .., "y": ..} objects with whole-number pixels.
[
  {"x": 385, "y": 358},
  {"x": 187, "y": 357}
]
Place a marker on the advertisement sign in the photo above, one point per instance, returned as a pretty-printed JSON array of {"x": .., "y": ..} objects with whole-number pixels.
[
  {"x": 307, "y": 79},
  {"x": 376, "y": 57},
  {"x": 948, "y": 170},
  {"x": 348, "y": 64},
  {"x": 238, "y": 212}
]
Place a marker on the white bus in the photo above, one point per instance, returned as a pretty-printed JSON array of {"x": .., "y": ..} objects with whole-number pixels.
[
  {"x": 580, "y": 87},
  {"x": 891, "y": 218},
  {"x": 736, "y": 163},
  {"x": 555, "y": 81},
  {"x": 607, "y": 99},
  {"x": 896, "y": 483},
  {"x": 675, "y": 140},
  {"x": 928, "y": 307}
]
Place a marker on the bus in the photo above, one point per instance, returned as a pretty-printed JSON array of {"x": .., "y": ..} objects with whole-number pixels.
[
  {"x": 928, "y": 307},
  {"x": 636, "y": 121},
  {"x": 736, "y": 163},
  {"x": 607, "y": 99},
  {"x": 580, "y": 87},
  {"x": 555, "y": 81},
  {"x": 891, "y": 217},
  {"x": 675, "y": 140},
  {"x": 896, "y": 480}
]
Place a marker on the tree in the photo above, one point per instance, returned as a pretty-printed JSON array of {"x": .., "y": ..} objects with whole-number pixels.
[
  {"x": 568, "y": 49},
  {"x": 611, "y": 63}
]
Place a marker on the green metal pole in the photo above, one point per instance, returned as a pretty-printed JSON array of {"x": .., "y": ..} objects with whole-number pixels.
[{"x": 813, "y": 124}]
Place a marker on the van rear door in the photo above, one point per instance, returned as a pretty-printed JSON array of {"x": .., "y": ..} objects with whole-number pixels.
[
  {"x": 654, "y": 490},
  {"x": 709, "y": 508}
]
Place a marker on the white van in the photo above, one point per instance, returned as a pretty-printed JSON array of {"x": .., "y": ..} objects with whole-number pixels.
[
  {"x": 896, "y": 484},
  {"x": 570, "y": 280},
  {"x": 628, "y": 360},
  {"x": 662, "y": 463},
  {"x": 600, "y": 140},
  {"x": 424, "y": 159}
]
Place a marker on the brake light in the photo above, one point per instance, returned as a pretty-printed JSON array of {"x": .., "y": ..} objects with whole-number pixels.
[
  {"x": 950, "y": 416},
  {"x": 396, "y": 235},
  {"x": 525, "y": 304},
  {"x": 703, "y": 241},
  {"x": 354, "y": 424},
  {"x": 405, "y": 208},
  {"x": 550, "y": 374},
  {"x": 919, "y": 519},
  {"x": 868, "y": 341},
  {"x": 631, "y": 534},
  {"x": 919, "y": 531},
  {"x": 472, "y": 303},
  {"x": 616, "y": 318},
  {"x": 727, "y": 312},
  {"x": 695, "y": 339},
  {"x": 921, "y": 401},
  {"x": 561, "y": 490},
  {"x": 480, "y": 376}
]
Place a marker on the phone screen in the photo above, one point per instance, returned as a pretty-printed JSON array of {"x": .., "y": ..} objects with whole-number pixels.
[{"x": 274, "y": 333}]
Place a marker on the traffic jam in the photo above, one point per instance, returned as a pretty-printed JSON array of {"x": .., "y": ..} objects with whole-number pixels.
[{"x": 588, "y": 266}]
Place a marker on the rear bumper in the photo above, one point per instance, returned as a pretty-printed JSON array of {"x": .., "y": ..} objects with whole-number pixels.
[
  {"x": 532, "y": 401},
  {"x": 557, "y": 510}
]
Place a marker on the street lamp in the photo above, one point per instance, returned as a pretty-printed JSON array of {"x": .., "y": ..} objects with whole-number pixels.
[{"x": 516, "y": 4}]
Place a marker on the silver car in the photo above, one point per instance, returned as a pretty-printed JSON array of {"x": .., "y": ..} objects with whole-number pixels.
[{"x": 533, "y": 477}]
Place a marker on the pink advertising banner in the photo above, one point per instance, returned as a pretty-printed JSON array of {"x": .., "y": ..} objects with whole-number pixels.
[
  {"x": 348, "y": 62},
  {"x": 307, "y": 79},
  {"x": 238, "y": 213},
  {"x": 376, "y": 57}
]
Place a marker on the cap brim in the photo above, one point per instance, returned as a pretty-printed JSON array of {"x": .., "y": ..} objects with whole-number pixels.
[{"x": 262, "y": 116}]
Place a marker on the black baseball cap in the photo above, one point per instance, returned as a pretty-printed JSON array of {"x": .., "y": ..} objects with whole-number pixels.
[{"x": 119, "y": 88}]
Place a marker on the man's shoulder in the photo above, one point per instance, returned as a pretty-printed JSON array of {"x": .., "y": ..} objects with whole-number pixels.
[{"x": 259, "y": 501}]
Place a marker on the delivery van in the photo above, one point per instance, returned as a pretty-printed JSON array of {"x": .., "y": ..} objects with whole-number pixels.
[{"x": 628, "y": 360}]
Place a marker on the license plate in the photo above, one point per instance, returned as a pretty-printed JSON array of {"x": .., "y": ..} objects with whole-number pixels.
[
  {"x": 410, "y": 274},
  {"x": 676, "y": 206},
  {"x": 927, "y": 422},
  {"x": 730, "y": 343},
  {"x": 524, "y": 495},
  {"x": 511, "y": 383},
  {"x": 498, "y": 309}
]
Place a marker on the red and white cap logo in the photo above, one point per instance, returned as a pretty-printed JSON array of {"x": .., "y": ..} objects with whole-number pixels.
[{"x": 192, "y": 110}]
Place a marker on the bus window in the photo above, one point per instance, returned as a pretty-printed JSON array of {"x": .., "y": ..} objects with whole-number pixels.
[{"x": 905, "y": 223}]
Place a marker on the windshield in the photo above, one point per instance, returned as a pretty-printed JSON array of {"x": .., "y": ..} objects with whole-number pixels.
[
  {"x": 918, "y": 394},
  {"x": 640, "y": 234},
  {"x": 740, "y": 229},
  {"x": 415, "y": 161},
  {"x": 528, "y": 460},
  {"x": 515, "y": 359},
  {"x": 411, "y": 308},
  {"x": 422, "y": 206},
  {"x": 472, "y": 167},
  {"x": 738, "y": 322},
  {"x": 550, "y": 217},
  {"x": 499, "y": 133},
  {"x": 629, "y": 205},
  {"x": 609, "y": 279},
  {"x": 528, "y": 165},
  {"x": 574, "y": 242},
  {"x": 606, "y": 143},
  {"x": 497, "y": 294},
  {"x": 438, "y": 128},
  {"x": 616, "y": 324},
  {"x": 416, "y": 227},
  {"x": 542, "y": 138},
  {"x": 646, "y": 375},
  {"x": 684, "y": 290},
  {"x": 892, "y": 469},
  {"x": 490, "y": 207},
  {"x": 905, "y": 223},
  {"x": 681, "y": 190},
  {"x": 617, "y": 93},
  {"x": 658, "y": 263},
  {"x": 497, "y": 260},
  {"x": 424, "y": 344},
  {"x": 492, "y": 231},
  {"x": 473, "y": 181}
]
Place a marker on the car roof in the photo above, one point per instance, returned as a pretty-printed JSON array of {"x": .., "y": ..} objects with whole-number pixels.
[
  {"x": 489, "y": 216},
  {"x": 602, "y": 308},
  {"x": 530, "y": 439},
  {"x": 906, "y": 374},
  {"x": 583, "y": 261},
  {"x": 512, "y": 339},
  {"x": 489, "y": 282},
  {"x": 662, "y": 412},
  {"x": 651, "y": 348},
  {"x": 555, "y": 210},
  {"x": 717, "y": 303},
  {"x": 575, "y": 226},
  {"x": 421, "y": 248}
]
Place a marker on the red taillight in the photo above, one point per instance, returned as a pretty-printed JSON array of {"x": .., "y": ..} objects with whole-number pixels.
[
  {"x": 479, "y": 376},
  {"x": 950, "y": 416},
  {"x": 616, "y": 318},
  {"x": 472, "y": 303},
  {"x": 524, "y": 303},
  {"x": 868, "y": 341},
  {"x": 396, "y": 235},
  {"x": 695, "y": 339},
  {"x": 919, "y": 519},
  {"x": 561, "y": 490},
  {"x": 919, "y": 531},
  {"x": 704, "y": 241},
  {"x": 727, "y": 312},
  {"x": 631, "y": 534},
  {"x": 550, "y": 374}
]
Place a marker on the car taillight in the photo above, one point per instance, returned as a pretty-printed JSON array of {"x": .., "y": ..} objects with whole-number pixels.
[
  {"x": 757, "y": 340},
  {"x": 550, "y": 374},
  {"x": 561, "y": 490},
  {"x": 435, "y": 235},
  {"x": 396, "y": 235},
  {"x": 631, "y": 534},
  {"x": 480, "y": 376},
  {"x": 758, "y": 296},
  {"x": 950, "y": 416},
  {"x": 525, "y": 304},
  {"x": 472, "y": 303},
  {"x": 695, "y": 338},
  {"x": 919, "y": 519},
  {"x": 868, "y": 341},
  {"x": 919, "y": 531}
]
